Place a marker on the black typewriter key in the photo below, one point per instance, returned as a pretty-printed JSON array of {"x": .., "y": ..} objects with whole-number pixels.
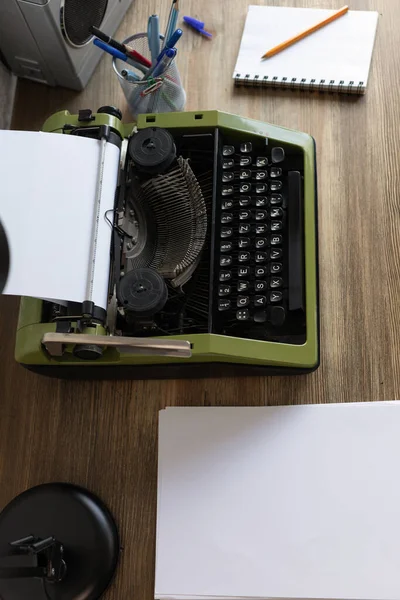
[
  {"x": 260, "y": 301},
  {"x": 277, "y": 155},
  {"x": 244, "y": 228},
  {"x": 275, "y": 282},
  {"x": 275, "y": 172},
  {"x": 227, "y": 204},
  {"x": 224, "y": 290},
  {"x": 260, "y": 175},
  {"x": 245, "y": 200},
  {"x": 261, "y": 215},
  {"x": 245, "y": 188},
  {"x": 226, "y": 218},
  {"x": 244, "y": 215},
  {"x": 261, "y": 188},
  {"x": 276, "y": 225},
  {"x": 275, "y": 240},
  {"x": 277, "y": 315},
  {"x": 276, "y": 213},
  {"x": 225, "y": 275},
  {"x": 261, "y": 161},
  {"x": 261, "y": 228},
  {"x": 260, "y": 271},
  {"x": 276, "y": 253},
  {"x": 275, "y": 296},
  {"x": 245, "y": 161},
  {"x": 229, "y": 163},
  {"x": 261, "y": 201},
  {"x": 242, "y": 315},
  {"x": 260, "y": 316},
  {"x": 243, "y": 271},
  {"x": 242, "y": 301},
  {"x": 260, "y": 286},
  {"x": 225, "y": 246},
  {"x": 228, "y": 176},
  {"x": 225, "y": 261},
  {"x": 275, "y": 267},
  {"x": 244, "y": 257},
  {"x": 226, "y": 232},
  {"x": 244, "y": 242},
  {"x": 228, "y": 150},
  {"x": 275, "y": 185},
  {"x": 275, "y": 199},
  {"x": 227, "y": 190},
  {"x": 261, "y": 257},
  {"x": 246, "y": 147},
  {"x": 224, "y": 304},
  {"x": 243, "y": 286},
  {"x": 261, "y": 243},
  {"x": 245, "y": 174}
]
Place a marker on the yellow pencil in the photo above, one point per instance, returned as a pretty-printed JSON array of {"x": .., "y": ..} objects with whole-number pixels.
[{"x": 305, "y": 33}]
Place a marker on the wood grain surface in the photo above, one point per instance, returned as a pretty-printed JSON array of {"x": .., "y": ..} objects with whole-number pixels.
[{"x": 103, "y": 434}]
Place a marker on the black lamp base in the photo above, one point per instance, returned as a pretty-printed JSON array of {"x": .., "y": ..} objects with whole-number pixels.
[{"x": 81, "y": 523}]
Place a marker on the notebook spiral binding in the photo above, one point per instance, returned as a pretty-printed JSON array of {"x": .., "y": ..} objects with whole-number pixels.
[{"x": 294, "y": 83}]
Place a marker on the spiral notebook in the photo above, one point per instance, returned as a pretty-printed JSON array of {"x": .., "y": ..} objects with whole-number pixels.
[{"x": 336, "y": 58}]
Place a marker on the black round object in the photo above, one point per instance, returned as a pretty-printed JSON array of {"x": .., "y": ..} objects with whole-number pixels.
[
  {"x": 78, "y": 520},
  {"x": 143, "y": 292},
  {"x": 77, "y": 16},
  {"x": 88, "y": 351},
  {"x": 111, "y": 110},
  {"x": 152, "y": 150},
  {"x": 4, "y": 258}
]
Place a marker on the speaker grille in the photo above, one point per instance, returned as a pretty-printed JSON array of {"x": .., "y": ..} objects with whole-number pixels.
[{"x": 78, "y": 15}]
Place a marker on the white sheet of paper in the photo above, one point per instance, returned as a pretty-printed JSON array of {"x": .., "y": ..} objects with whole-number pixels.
[
  {"x": 339, "y": 51},
  {"x": 279, "y": 502},
  {"x": 47, "y": 198}
]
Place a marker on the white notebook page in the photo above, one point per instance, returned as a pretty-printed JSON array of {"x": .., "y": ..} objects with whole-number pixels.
[
  {"x": 279, "y": 502},
  {"x": 48, "y": 191},
  {"x": 341, "y": 50}
]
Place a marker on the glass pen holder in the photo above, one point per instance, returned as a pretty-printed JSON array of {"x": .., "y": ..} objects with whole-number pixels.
[{"x": 163, "y": 93}]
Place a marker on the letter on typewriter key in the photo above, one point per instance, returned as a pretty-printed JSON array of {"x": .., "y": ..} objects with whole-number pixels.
[
  {"x": 244, "y": 215},
  {"x": 242, "y": 301},
  {"x": 260, "y": 286},
  {"x": 245, "y": 161},
  {"x": 245, "y": 200},
  {"x": 246, "y": 147},
  {"x": 276, "y": 213},
  {"x": 261, "y": 257},
  {"x": 243, "y": 271},
  {"x": 244, "y": 257},
  {"x": 245, "y": 174},
  {"x": 260, "y": 301},
  {"x": 244, "y": 228},
  {"x": 275, "y": 267},
  {"x": 244, "y": 242},
  {"x": 261, "y": 161},
  {"x": 275, "y": 296},
  {"x": 261, "y": 243},
  {"x": 260, "y": 175},
  {"x": 261, "y": 201},
  {"x": 260, "y": 229},
  {"x": 275, "y": 254},
  {"x": 275, "y": 240},
  {"x": 261, "y": 271},
  {"x": 276, "y": 282},
  {"x": 243, "y": 286},
  {"x": 245, "y": 188}
]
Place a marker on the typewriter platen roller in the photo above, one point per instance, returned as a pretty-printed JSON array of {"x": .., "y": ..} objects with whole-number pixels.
[{"x": 214, "y": 254}]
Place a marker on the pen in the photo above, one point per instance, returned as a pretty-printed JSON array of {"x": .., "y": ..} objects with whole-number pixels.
[
  {"x": 171, "y": 42},
  {"x": 107, "y": 48},
  {"x": 124, "y": 48},
  {"x": 166, "y": 60},
  {"x": 153, "y": 35},
  {"x": 305, "y": 33},
  {"x": 130, "y": 76},
  {"x": 172, "y": 20}
]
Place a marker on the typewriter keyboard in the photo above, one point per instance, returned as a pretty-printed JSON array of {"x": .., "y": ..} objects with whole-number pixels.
[{"x": 259, "y": 254}]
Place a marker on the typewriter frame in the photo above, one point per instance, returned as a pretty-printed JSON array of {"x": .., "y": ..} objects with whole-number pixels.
[{"x": 212, "y": 355}]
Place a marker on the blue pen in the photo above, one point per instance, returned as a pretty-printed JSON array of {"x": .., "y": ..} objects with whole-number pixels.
[
  {"x": 130, "y": 76},
  {"x": 166, "y": 60},
  {"x": 153, "y": 34},
  {"x": 171, "y": 43},
  {"x": 113, "y": 51}
]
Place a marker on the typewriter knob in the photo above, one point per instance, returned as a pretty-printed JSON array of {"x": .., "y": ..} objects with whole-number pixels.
[
  {"x": 88, "y": 351},
  {"x": 142, "y": 292},
  {"x": 152, "y": 150},
  {"x": 111, "y": 110}
]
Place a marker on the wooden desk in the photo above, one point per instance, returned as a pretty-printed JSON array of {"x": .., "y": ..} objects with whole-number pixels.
[{"x": 103, "y": 434}]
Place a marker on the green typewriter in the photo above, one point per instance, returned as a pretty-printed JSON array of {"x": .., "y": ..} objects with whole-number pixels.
[{"x": 213, "y": 254}]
